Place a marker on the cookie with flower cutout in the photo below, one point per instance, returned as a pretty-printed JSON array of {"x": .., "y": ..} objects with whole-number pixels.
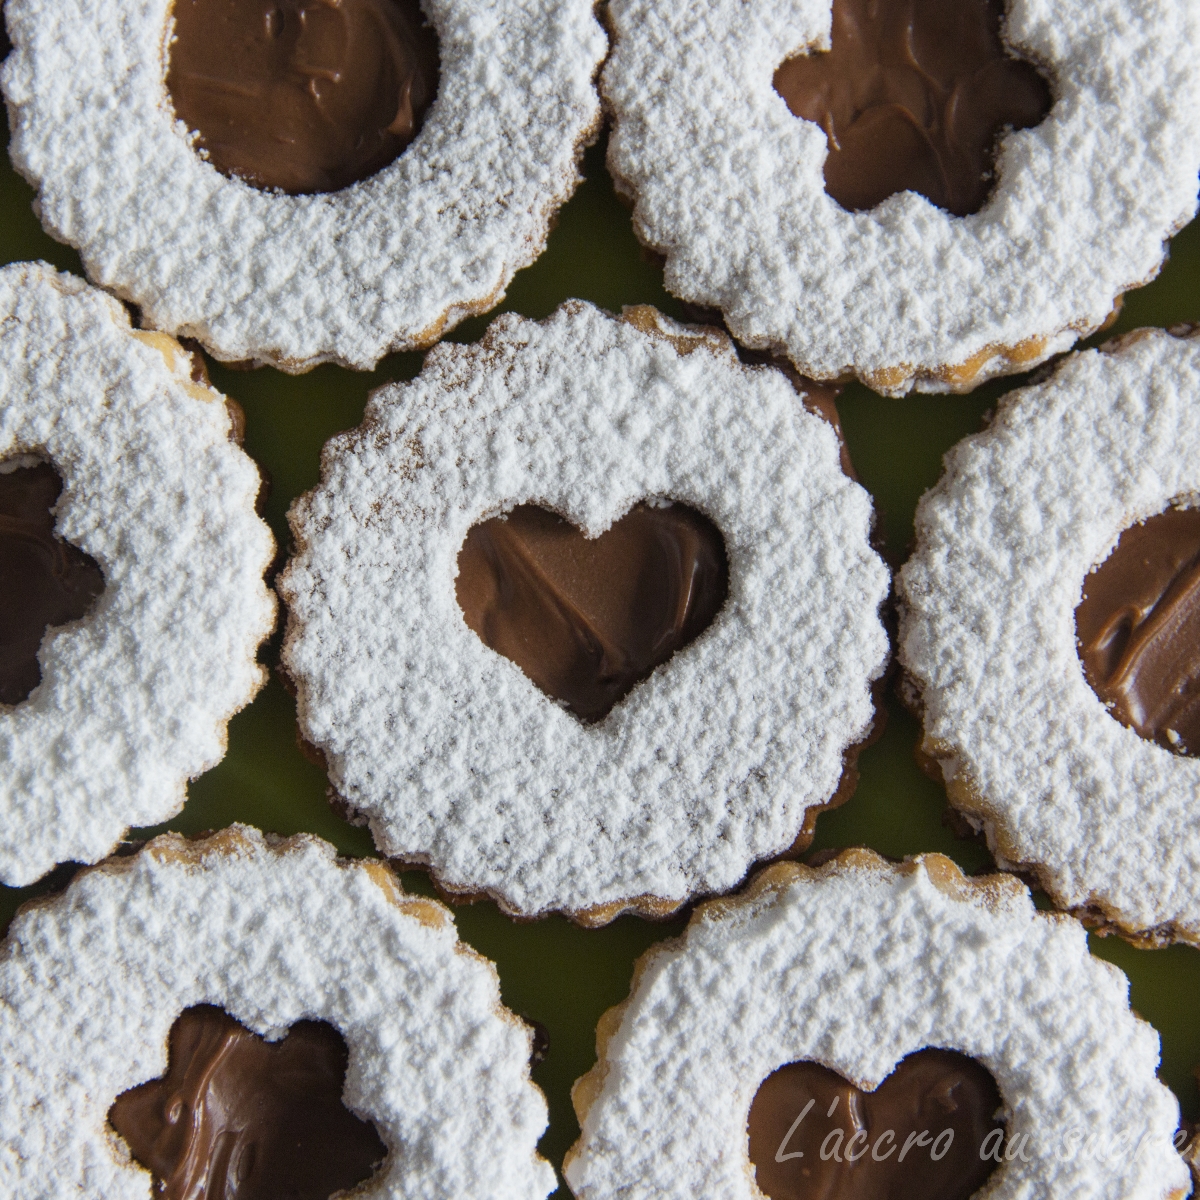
[
  {"x": 586, "y": 616},
  {"x": 917, "y": 194},
  {"x": 301, "y": 181},
  {"x": 248, "y": 1016},
  {"x": 132, "y": 601},
  {"x": 1050, "y": 630},
  {"x": 876, "y": 1029}
]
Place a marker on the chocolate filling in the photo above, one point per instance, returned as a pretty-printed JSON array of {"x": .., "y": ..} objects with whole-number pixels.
[
  {"x": 913, "y": 96},
  {"x": 1138, "y": 627},
  {"x": 44, "y": 581},
  {"x": 587, "y": 619},
  {"x": 239, "y": 1118},
  {"x": 930, "y": 1129},
  {"x": 302, "y": 95}
]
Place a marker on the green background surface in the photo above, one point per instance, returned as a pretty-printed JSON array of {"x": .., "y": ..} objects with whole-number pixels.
[{"x": 551, "y": 970}]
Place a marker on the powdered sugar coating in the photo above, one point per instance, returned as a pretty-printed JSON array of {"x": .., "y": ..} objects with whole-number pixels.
[
  {"x": 90, "y": 984},
  {"x": 856, "y": 966},
  {"x": 386, "y": 264},
  {"x": 456, "y": 758},
  {"x": 135, "y": 697},
  {"x": 729, "y": 186},
  {"x": 1024, "y": 511}
]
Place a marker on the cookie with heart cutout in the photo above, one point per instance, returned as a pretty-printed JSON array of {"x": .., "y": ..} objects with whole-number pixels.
[
  {"x": 586, "y": 616},
  {"x": 917, "y": 195},
  {"x": 875, "y": 1029},
  {"x": 424, "y": 161},
  {"x": 132, "y": 601},
  {"x": 1050, "y": 629},
  {"x": 251, "y": 1016}
]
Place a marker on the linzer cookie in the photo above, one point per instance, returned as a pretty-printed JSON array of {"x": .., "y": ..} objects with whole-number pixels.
[
  {"x": 868, "y": 1030},
  {"x": 919, "y": 193},
  {"x": 132, "y": 601},
  {"x": 251, "y": 1018},
  {"x": 296, "y": 181},
  {"x": 1050, "y": 624},
  {"x": 586, "y": 616}
]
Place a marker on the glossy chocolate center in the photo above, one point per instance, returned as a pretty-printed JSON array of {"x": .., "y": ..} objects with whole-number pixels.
[
  {"x": 922, "y": 1133},
  {"x": 913, "y": 96},
  {"x": 586, "y": 619},
  {"x": 44, "y": 581},
  {"x": 302, "y": 95},
  {"x": 239, "y": 1118},
  {"x": 1139, "y": 630}
]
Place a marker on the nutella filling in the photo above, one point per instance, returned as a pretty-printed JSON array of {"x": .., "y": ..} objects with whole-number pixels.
[
  {"x": 914, "y": 95},
  {"x": 239, "y": 1118},
  {"x": 931, "y": 1129},
  {"x": 587, "y": 619},
  {"x": 44, "y": 581},
  {"x": 1138, "y": 629},
  {"x": 302, "y": 95}
]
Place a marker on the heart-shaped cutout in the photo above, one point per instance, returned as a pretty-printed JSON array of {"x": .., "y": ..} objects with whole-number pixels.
[
  {"x": 44, "y": 581},
  {"x": 588, "y": 618},
  {"x": 930, "y": 1129},
  {"x": 239, "y": 1117}
]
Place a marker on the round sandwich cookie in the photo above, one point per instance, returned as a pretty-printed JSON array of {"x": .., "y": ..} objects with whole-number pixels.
[
  {"x": 1050, "y": 629},
  {"x": 132, "y": 601},
  {"x": 293, "y": 182},
  {"x": 586, "y": 616},
  {"x": 250, "y": 1017},
  {"x": 917, "y": 193},
  {"x": 866, "y": 1030}
]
